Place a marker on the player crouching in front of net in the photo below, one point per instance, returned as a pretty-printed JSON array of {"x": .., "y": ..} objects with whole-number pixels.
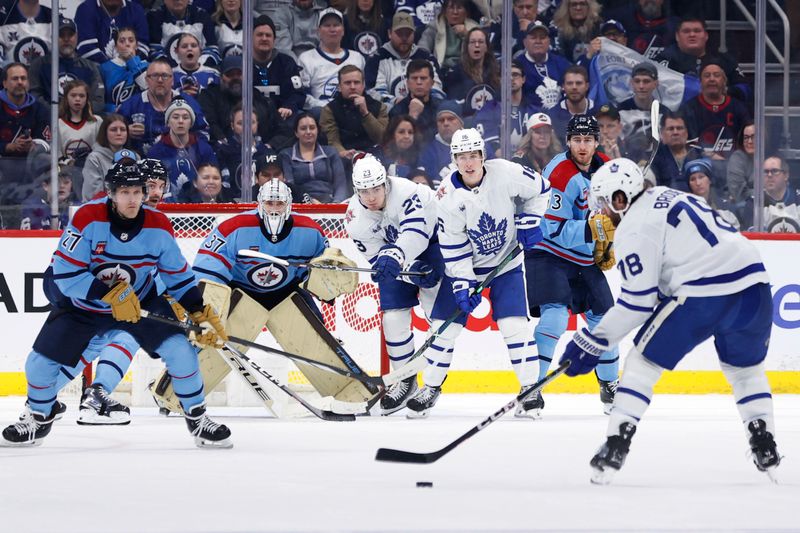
[
  {"x": 687, "y": 275},
  {"x": 393, "y": 223},
  {"x": 253, "y": 292},
  {"x": 104, "y": 264},
  {"x": 485, "y": 207}
]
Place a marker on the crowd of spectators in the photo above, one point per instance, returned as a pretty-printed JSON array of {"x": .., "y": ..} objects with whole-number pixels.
[{"x": 393, "y": 77}]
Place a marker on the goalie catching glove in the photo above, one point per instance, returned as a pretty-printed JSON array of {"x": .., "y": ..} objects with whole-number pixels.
[
  {"x": 326, "y": 284},
  {"x": 213, "y": 333},
  {"x": 124, "y": 303},
  {"x": 583, "y": 352},
  {"x": 604, "y": 255}
]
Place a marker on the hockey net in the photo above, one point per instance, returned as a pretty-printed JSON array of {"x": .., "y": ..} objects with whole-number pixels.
[{"x": 354, "y": 319}]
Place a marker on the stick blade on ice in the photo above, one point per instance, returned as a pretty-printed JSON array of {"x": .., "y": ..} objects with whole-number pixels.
[{"x": 390, "y": 455}]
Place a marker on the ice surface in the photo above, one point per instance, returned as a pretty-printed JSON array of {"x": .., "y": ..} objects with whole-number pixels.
[{"x": 687, "y": 471}]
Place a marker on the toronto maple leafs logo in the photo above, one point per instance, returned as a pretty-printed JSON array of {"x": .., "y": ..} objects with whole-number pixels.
[
  {"x": 549, "y": 93},
  {"x": 489, "y": 237},
  {"x": 391, "y": 234}
]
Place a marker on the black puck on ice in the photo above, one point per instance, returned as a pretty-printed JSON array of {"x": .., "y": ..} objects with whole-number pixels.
[{"x": 424, "y": 484}]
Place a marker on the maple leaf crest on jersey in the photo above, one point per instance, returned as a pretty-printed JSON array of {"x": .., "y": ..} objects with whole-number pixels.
[
  {"x": 391, "y": 234},
  {"x": 490, "y": 237}
]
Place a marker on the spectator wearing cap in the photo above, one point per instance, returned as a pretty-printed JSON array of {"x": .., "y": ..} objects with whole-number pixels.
[
  {"x": 175, "y": 17},
  {"x": 181, "y": 151},
  {"x": 25, "y": 31},
  {"x": 649, "y": 27},
  {"x": 297, "y": 27},
  {"x": 575, "y": 23},
  {"x": 475, "y": 80},
  {"x": 191, "y": 77},
  {"x": 575, "y": 101},
  {"x": 611, "y": 141},
  {"x": 98, "y": 22},
  {"x": 365, "y": 26},
  {"x": 635, "y": 111},
  {"x": 699, "y": 175},
  {"x": 276, "y": 75},
  {"x": 523, "y": 13},
  {"x": 229, "y": 150},
  {"x": 144, "y": 112},
  {"x": 539, "y": 144},
  {"x": 353, "y": 121},
  {"x": 435, "y": 158},
  {"x": 319, "y": 67},
  {"x": 673, "y": 153},
  {"x": 125, "y": 74},
  {"x": 713, "y": 117},
  {"x": 36, "y": 208},
  {"x": 386, "y": 71},
  {"x": 70, "y": 67},
  {"x": 443, "y": 37},
  {"x": 227, "y": 18},
  {"x": 487, "y": 120},
  {"x": 267, "y": 167},
  {"x": 612, "y": 30},
  {"x": 544, "y": 69},
  {"x": 687, "y": 53},
  {"x": 421, "y": 103},
  {"x": 111, "y": 138},
  {"x": 205, "y": 187}
]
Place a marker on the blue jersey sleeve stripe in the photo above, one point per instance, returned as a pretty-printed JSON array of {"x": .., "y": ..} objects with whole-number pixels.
[
  {"x": 632, "y": 307},
  {"x": 457, "y": 258},
  {"x": 411, "y": 220},
  {"x": 415, "y": 230},
  {"x": 640, "y": 293},
  {"x": 730, "y": 277},
  {"x": 453, "y": 246}
]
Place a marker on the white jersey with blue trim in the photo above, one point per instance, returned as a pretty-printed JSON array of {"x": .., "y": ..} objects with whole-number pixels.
[
  {"x": 408, "y": 220},
  {"x": 320, "y": 73},
  {"x": 477, "y": 227},
  {"x": 672, "y": 244}
]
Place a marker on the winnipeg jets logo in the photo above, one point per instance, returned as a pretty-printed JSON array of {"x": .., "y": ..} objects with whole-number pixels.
[
  {"x": 112, "y": 273},
  {"x": 391, "y": 234},
  {"x": 490, "y": 237},
  {"x": 267, "y": 276}
]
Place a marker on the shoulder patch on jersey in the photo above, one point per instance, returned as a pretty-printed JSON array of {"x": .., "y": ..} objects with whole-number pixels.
[
  {"x": 245, "y": 220},
  {"x": 562, "y": 173},
  {"x": 158, "y": 220},
  {"x": 88, "y": 213},
  {"x": 301, "y": 221}
]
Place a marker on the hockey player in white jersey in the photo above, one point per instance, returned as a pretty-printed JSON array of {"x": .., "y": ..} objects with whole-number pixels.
[
  {"x": 393, "y": 223},
  {"x": 485, "y": 207},
  {"x": 687, "y": 275}
]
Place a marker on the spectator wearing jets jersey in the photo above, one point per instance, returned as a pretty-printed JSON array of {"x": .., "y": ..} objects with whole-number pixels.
[
  {"x": 124, "y": 74},
  {"x": 227, "y": 18},
  {"x": 386, "y": 71},
  {"x": 77, "y": 124},
  {"x": 365, "y": 27},
  {"x": 421, "y": 103},
  {"x": 475, "y": 79},
  {"x": 544, "y": 69},
  {"x": 393, "y": 223},
  {"x": 175, "y": 17},
  {"x": 353, "y": 121},
  {"x": 100, "y": 21},
  {"x": 320, "y": 66},
  {"x": 400, "y": 148},
  {"x": 190, "y": 77},
  {"x": 276, "y": 75},
  {"x": 26, "y": 31},
  {"x": 298, "y": 27},
  {"x": 444, "y": 36},
  {"x": 70, "y": 67},
  {"x": 313, "y": 168},
  {"x": 781, "y": 201},
  {"x": 435, "y": 159}
]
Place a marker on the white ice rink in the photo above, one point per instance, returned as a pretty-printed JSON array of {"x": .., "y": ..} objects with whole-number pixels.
[{"x": 687, "y": 471}]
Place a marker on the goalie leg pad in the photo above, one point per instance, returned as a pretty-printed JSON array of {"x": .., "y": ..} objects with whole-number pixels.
[
  {"x": 518, "y": 334},
  {"x": 440, "y": 354},
  {"x": 399, "y": 339}
]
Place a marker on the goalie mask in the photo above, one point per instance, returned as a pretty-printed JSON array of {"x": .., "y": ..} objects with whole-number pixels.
[
  {"x": 467, "y": 140},
  {"x": 274, "y": 205},
  {"x": 621, "y": 175}
]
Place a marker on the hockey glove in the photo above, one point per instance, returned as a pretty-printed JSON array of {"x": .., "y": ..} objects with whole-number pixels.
[
  {"x": 602, "y": 228},
  {"x": 388, "y": 264},
  {"x": 213, "y": 333},
  {"x": 604, "y": 255},
  {"x": 583, "y": 352},
  {"x": 124, "y": 303},
  {"x": 177, "y": 308},
  {"x": 528, "y": 231},
  {"x": 466, "y": 297},
  {"x": 429, "y": 280}
]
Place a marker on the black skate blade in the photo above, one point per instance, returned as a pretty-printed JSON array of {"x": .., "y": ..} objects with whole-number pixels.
[{"x": 390, "y": 455}]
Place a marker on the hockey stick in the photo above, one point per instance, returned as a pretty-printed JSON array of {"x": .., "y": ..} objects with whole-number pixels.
[
  {"x": 655, "y": 126},
  {"x": 303, "y": 264},
  {"x": 236, "y": 358},
  {"x": 400, "y": 456}
]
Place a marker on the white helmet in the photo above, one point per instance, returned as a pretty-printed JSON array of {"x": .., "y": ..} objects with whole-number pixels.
[
  {"x": 274, "y": 191},
  {"x": 368, "y": 173},
  {"x": 466, "y": 140},
  {"x": 616, "y": 175}
]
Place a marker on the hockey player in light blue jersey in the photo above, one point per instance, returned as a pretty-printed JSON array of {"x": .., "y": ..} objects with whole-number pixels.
[
  {"x": 104, "y": 267},
  {"x": 485, "y": 209},
  {"x": 687, "y": 275}
]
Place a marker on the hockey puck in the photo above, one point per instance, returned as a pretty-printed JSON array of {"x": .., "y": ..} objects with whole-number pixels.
[{"x": 424, "y": 484}]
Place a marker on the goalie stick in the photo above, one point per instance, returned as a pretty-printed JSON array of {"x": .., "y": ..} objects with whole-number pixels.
[
  {"x": 400, "y": 456},
  {"x": 655, "y": 126},
  {"x": 302, "y": 264}
]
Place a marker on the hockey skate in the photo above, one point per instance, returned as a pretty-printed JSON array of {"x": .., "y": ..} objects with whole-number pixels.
[
  {"x": 420, "y": 405},
  {"x": 99, "y": 409},
  {"x": 206, "y": 432},
  {"x": 59, "y": 408},
  {"x": 764, "y": 451},
  {"x": 608, "y": 389},
  {"x": 30, "y": 431},
  {"x": 398, "y": 395},
  {"x": 530, "y": 407},
  {"x": 611, "y": 455}
]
